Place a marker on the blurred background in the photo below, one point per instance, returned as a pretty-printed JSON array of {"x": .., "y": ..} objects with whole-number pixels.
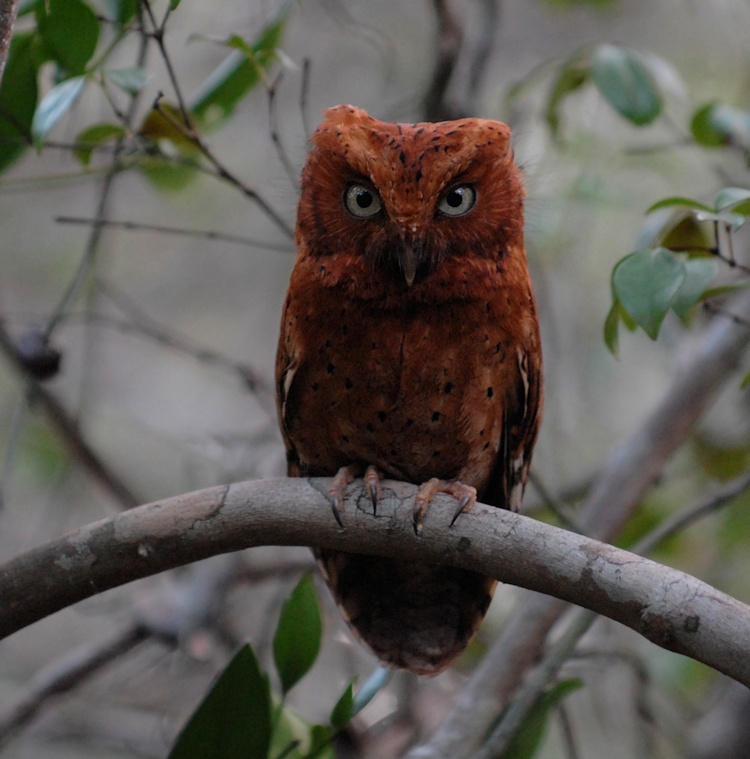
[{"x": 168, "y": 341}]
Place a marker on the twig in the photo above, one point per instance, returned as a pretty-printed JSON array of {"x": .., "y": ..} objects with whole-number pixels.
[
  {"x": 223, "y": 172},
  {"x": 146, "y": 326},
  {"x": 68, "y": 430},
  {"x": 273, "y": 118},
  {"x": 64, "y": 674},
  {"x": 450, "y": 39},
  {"x": 206, "y": 234},
  {"x": 304, "y": 93}
]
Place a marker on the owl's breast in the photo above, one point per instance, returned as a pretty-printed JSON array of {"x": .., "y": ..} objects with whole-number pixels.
[{"x": 413, "y": 393}]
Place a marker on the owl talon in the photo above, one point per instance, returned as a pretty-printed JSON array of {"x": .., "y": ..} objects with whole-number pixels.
[
  {"x": 372, "y": 487},
  {"x": 466, "y": 496},
  {"x": 337, "y": 489}
]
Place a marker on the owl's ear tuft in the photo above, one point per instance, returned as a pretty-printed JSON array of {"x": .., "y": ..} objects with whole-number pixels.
[{"x": 345, "y": 116}]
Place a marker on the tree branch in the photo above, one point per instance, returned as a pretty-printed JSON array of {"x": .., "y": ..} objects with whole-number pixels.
[
  {"x": 670, "y": 608},
  {"x": 8, "y": 12}
]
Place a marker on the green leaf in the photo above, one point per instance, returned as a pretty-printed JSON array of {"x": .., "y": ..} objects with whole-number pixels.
[
  {"x": 70, "y": 31},
  {"x": 699, "y": 273},
  {"x": 166, "y": 175},
  {"x": 342, "y": 712},
  {"x": 611, "y": 329},
  {"x": 529, "y": 737},
  {"x": 645, "y": 283},
  {"x": 735, "y": 198},
  {"x": 320, "y": 743},
  {"x": 678, "y": 200},
  {"x": 93, "y": 137},
  {"x": 624, "y": 80},
  {"x": 18, "y": 95},
  {"x": 745, "y": 381},
  {"x": 716, "y": 124},
  {"x": 714, "y": 292},
  {"x": 173, "y": 4},
  {"x": 238, "y": 74},
  {"x": 52, "y": 107},
  {"x": 297, "y": 640},
  {"x": 572, "y": 77},
  {"x": 234, "y": 719},
  {"x": 131, "y": 80}
]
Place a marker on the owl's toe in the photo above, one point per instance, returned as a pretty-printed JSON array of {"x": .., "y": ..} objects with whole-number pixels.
[{"x": 466, "y": 495}]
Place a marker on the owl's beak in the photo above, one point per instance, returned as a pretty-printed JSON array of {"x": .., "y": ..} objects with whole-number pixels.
[{"x": 409, "y": 260}]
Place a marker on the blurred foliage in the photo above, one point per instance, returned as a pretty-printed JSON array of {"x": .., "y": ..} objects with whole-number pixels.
[{"x": 238, "y": 717}]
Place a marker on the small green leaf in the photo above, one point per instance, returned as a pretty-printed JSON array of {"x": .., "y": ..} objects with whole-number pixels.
[
  {"x": 573, "y": 75},
  {"x": 297, "y": 640},
  {"x": 342, "y": 712},
  {"x": 735, "y": 198},
  {"x": 167, "y": 175},
  {"x": 645, "y": 283},
  {"x": 320, "y": 743},
  {"x": 716, "y": 124},
  {"x": 52, "y": 107},
  {"x": 611, "y": 329},
  {"x": 745, "y": 381},
  {"x": 624, "y": 80},
  {"x": 529, "y": 737},
  {"x": 18, "y": 94},
  {"x": 699, "y": 273},
  {"x": 238, "y": 74},
  {"x": 234, "y": 719},
  {"x": 93, "y": 137},
  {"x": 131, "y": 80},
  {"x": 374, "y": 683},
  {"x": 70, "y": 31},
  {"x": 678, "y": 200},
  {"x": 714, "y": 292},
  {"x": 173, "y": 4}
]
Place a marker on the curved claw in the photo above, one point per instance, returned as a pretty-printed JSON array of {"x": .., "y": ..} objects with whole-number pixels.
[
  {"x": 372, "y": 487},
  {"x": 337, "y": 490},
  {"x": 466, "y": 496}
]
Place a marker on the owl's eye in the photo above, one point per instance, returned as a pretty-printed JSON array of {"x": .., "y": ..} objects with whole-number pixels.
[
  {"x": 458, "y": 200},
  {"x": 362, "y": 201}
]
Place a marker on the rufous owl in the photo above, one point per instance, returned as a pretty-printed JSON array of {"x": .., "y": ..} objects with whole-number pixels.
[{"x": 410, "y": 349}]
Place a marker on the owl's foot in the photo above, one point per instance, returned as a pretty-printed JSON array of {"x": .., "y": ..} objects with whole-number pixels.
[
  {"x": 343, "y": 478},
  {"x": 466, "y": 495}
]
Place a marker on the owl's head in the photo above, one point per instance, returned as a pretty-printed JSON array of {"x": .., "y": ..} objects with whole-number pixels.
[{"x": 396, "y": 203}]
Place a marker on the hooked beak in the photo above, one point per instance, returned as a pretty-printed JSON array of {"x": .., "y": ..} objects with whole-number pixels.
[{"x": 409, "y": 260}]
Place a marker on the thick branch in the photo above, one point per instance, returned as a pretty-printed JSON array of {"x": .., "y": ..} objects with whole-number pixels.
[{"x": 674, "y": 610}]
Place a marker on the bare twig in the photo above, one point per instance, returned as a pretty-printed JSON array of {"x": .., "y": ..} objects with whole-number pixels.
[
  {"x": 206, "y": 234},
  {"x": 273, "y": 118},
  {"x": 64, "y": 674},
  {"x": 68, "y": 430},
  {"x": 223, "y": 172},
  {"x": 144, "y": 325},
  {"x": 450, "y": 39}
]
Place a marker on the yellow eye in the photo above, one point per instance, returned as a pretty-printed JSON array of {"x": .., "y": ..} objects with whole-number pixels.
[
  {"x": 362, "y": 201},
  {"x": 458, "y": 200}
]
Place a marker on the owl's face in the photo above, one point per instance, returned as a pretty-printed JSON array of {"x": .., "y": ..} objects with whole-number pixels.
[{"x": 394, "y": 202}]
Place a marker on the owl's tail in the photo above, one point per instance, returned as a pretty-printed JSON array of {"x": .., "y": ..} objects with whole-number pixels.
[{"x": 414, "y": 616}]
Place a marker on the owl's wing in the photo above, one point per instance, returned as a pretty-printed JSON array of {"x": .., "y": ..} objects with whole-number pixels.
[
  {"x": 521, "y": 419},
  {"x": 286, "y": 368}
]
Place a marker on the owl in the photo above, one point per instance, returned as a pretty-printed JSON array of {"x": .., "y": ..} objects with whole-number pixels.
[{"x": 410, "y": 349}]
